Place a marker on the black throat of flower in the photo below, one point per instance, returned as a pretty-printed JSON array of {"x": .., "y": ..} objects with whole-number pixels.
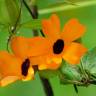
[
  {"x": 25, "y": 66},
  {"x": 58, "y": 46}
]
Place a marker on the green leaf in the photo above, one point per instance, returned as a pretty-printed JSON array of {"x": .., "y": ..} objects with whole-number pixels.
[
  {"x": 13, "y": 10},
  {"x": 8, "y": 11},
  {"x": 4, "y": 16}
]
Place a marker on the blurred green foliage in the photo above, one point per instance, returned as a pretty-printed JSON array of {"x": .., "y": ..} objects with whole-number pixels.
[
  {"x": 9, "y": 10},
  {"x": 85, "y": 14}
]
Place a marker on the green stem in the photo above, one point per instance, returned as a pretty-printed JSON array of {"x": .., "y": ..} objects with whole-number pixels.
[
  {"x": 14, "y": 27},
  {"x": 47, "y": 87},
  {"x": 34, "y": 10},
  {"x": 26, "y": 5},
  {"x": 75, "y": 87},
  {"x": 67, "y": 7},
  {"x": 34, "y": 14}
]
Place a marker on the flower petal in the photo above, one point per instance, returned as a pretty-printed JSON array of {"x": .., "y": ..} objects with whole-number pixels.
[
  {"x": 8, "y": 80},
  {"x": 51, "y": 27},
  {"x": 72, "y": 30},
  {"x": 57, "y": 60},
  {"x": 74, "y": 52},
  {"x": 53, "y": 63},
  {"x": 38, "y": 46},
  {"x": 44, "y": 62},
  {"x": 53, "y": 66},
  {"x": 40, "y": 61},
  {"x": 42, "y": 66},
  {"x": 9, "y": 65},
  {"x": 56, "y": 22},
  {"x": 19, "y": 46}
]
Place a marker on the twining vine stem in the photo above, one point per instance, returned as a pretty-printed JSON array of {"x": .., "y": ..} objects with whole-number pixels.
[{"x": 13, "y": 28}]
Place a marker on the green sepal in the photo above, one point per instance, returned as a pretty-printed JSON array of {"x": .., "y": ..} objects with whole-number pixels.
[
  {"x": 70, "y": 73},
  {"x": 89, "y": 62},
  {"x": 82, "y": 74}
]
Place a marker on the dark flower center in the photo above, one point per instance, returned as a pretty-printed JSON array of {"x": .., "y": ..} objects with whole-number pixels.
[
  {"x": 58, "y": 46},
  {"x": 25, "y": 67}
]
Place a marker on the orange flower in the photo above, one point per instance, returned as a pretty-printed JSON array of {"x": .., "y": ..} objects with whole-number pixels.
[
  {"x": 17, "y": 66},
  {"x": 57, "y": 44}
]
